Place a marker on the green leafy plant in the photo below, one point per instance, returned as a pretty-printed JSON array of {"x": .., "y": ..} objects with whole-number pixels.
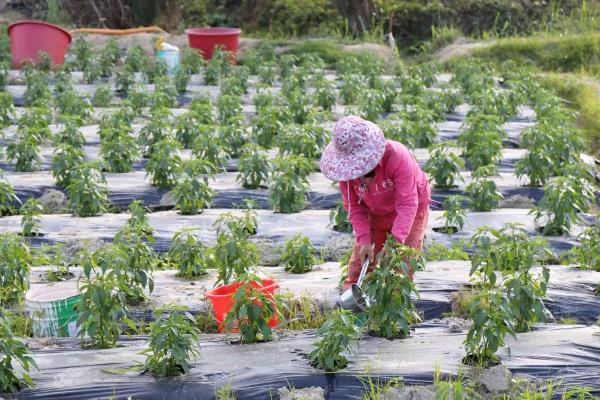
[
  {"x": 13, "y": 351},
  {"x": 444, "y": 165},
  {"x": 6, "y": 109},
  {"x": 233, "y": 257},
  {"x": 564, "y": 198},
  {"x": 370, "y": 104},
  {"x": 125, "y": 79},
  {"x": 537, "y": 163},
  {"x": 242, "y": 226},
  {"x": 25, "y": 153},
  {"x": 102, "y": 305},
  {"x": 70, "y": 133},
  {"x": 229, "y": 108},
  {"x": 34, "y": 123},
  {"x": 267, "y": 124},
  {"x": 481, "y": 138},
  {"x": 72, "y": 104},
  {"x": 15, "y": 264},
  {"x": 390, "y": 288},
  {"x": 37, "y": 90},
  {"x": 191, "y": 60},
  {"x": 8, "y": 198},
  {"x": 190, "y": 125},
  {"x": 31, "y": 222},
  {"x": 88, "y": 195},
  {"x": 302, "y": 140},
  {"x": 209, "y": 146},
  {"x": 65, "y": 162},
  {"x": 300, "y": 255},
  {"x": 102, "y": 96},
  {"x": 82, "y": 50},
  {"x": 165, "y": 164},
  {"x": 289, "y": 183},
  {"x": 174, "y": 339},
  {"x": 234, "y": 136},
  {"x": 339, "y": 335},
  {"x": 454, "y": 214},
  {"x": 119, "y": 149},
  {"x": 193, "y": 193},
  {"x": 587, "y": 254},
  {"x": 137, "y": 97},
  {"x": 189, "y": 254},
  {"x": 351, "y": 89},
  {"x": 158, "y": 128},
  {"x": 482, "y": 192},
  {"x": 181, "y": 79},
  {"x": 254, "y": 167},
  {"x": 492, "y": 321},
  {"x": 164, "y": 95},
  {"x": 338, "y": 218},
  {"x": 251, "y": 312}
]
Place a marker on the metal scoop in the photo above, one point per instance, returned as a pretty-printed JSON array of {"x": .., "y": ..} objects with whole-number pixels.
[{"x": 354, "y": 298}]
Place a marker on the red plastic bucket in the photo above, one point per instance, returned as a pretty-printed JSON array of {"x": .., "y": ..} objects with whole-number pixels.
[
  {"x": 222, "y": 299},
  {"x": 28, "y": 38},
  {"x": 206, "y": 39}
]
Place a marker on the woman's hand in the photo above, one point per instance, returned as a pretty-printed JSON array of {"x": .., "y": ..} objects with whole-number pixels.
[{"x": 366, "y": 250}]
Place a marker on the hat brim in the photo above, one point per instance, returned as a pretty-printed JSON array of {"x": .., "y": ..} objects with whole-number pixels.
[{"x": 340, "y": 168}]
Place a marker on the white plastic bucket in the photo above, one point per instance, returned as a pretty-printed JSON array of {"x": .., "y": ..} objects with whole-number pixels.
[
  {"x": 52, "y": 309},
  {"x": 171, "y": 57}
]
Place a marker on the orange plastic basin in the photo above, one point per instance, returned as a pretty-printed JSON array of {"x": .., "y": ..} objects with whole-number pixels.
[
  {"x": 222, "y": 299},
  {"x": 29, "y": 38}
]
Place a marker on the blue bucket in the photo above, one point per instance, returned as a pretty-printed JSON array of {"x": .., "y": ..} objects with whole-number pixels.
[{"x": 171, "y": 58}]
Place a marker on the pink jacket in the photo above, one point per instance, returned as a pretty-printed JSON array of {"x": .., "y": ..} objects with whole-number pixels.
[{"x": 398, "y": 188}]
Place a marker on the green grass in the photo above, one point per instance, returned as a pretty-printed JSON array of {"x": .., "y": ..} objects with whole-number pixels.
[
  {"x": 568, "y": 321},
  {"x": 553, "y": 53},
  {"x": 331, "y": 51},
  {"x": 584, "y": 98}
]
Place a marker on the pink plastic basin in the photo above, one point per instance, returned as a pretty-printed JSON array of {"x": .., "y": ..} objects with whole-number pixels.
[
  {"x": 207, "y": 39},
  {"x": 28, "y": 38},
  {"x": 222, "y": 299}
]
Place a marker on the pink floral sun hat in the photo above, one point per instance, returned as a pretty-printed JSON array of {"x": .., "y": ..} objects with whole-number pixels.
[{"x": 356, "y": 148}]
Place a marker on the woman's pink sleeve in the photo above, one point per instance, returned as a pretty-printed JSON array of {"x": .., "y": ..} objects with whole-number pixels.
[
  {"x": 406, "y": 195},
  {"x": 357, "y": 214}
]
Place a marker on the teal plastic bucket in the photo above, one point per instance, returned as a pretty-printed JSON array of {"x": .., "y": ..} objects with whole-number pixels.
[
  {"x": 170, "y": 57},
  {"x": 52, "y": 309}
]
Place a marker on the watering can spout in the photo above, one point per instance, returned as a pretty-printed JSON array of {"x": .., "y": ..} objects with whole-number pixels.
[{"x": 354, "y": 298}]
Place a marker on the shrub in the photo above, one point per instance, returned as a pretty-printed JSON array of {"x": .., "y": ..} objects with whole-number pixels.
[
  {"x": 6, "y": 109},
  {"x": 492, "y": 320},
  {"x": 102, "y": 96},
  {"x": 482, "y": 192},
  {"x": 191, "y": 60},
  {"x": 302, "y": 140},
  {"x": 254, "y": 167},
  {"x": 88, "y": 195},
  {"x": 587, "y": 254},
  {"x": 299, "y": 255},
  {"x": 289, "y": 184},
  {"x": 65, "y": 162},
  {"x": 8, "y": 198},
  {"x": 240, "y": 227},
  {"x": 173, "y": 341},
  {"x": 390, "y": 288},
  {"x": 454, "y": 214},
  {"x": 481, "y": 138},
  {"x": 444, "y": 165},
  {"x": 209, "y": 146},
  {"x": 338, "y": 218},
  {"x": 30, "y": 222},
  {"x": 13, "y": 350},
  {"x": 193, "y": 193},
  {"x": 339, "y": 335},
  {"x": 37, "y": 90},
  {"x": 325, "y": 94},
  {"x": 266, "y": 125},
  {"x": 251, "y": 312},
  {"x": 119, "y": 149},
  {"x": 25, "y": 153},
  {"x": 233, "y": 257},
  {"x": 229, "y": 108},
  {"x": 70, "y": 134},
  {"x": 165, "y": 164},
  {"x": 15, "y": 264},
  {"x": 537, "y": 163},
  {"x": 564, "y": 198},
  {"x": 101, "y": 308},
  {"x": 189, "y": 254}
]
